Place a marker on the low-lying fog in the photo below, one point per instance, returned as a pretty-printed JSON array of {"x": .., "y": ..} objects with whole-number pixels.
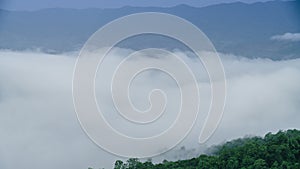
[{"x": 39, "y": 127}]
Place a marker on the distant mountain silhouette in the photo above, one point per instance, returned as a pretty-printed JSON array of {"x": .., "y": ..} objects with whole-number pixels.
[{"x": 238, "y": 28}]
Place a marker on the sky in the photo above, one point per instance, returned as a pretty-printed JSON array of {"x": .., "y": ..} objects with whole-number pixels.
[{"x": 40, "y": 4}]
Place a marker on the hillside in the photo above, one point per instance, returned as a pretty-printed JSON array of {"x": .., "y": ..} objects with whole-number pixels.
[{"x": 276, "y": 151}]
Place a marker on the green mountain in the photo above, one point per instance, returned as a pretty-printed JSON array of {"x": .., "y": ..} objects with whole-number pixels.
[{"x": 276, "y": 151}]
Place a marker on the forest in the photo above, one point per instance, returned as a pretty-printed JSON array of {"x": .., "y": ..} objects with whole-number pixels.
[{"x": 276, "y": 151}]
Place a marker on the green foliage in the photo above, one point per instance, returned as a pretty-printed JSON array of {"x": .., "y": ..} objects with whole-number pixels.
[
  {"x": 119, "y": 165},
  {"x": 275, "y": 151}
]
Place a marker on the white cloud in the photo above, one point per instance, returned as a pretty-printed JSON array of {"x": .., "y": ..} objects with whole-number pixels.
[
  {"x": 39, "y": 129},
  {"x": 294, "y": 37}
]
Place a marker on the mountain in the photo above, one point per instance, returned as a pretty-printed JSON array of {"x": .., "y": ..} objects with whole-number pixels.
[
  {"x": 275, "y": 151},
  {"x": 237, "y": 28}
]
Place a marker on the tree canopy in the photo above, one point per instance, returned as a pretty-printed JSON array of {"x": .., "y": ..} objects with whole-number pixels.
[{"x": 275, "y": 151}]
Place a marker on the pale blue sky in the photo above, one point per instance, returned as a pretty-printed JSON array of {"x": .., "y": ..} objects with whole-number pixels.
[{"x": 40, "y": 4}]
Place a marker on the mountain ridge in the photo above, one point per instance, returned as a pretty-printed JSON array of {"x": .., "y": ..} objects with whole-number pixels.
[{"x": 237, "y": 28}]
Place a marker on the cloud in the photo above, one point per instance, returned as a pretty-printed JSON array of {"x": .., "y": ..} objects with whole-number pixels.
[
  {"x": 293, "y": 37},
  {"x": 39, "y": 128}
]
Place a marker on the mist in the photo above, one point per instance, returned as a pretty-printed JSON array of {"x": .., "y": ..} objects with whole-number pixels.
[
  {"x": 293, "y": 37},
  {"x": 40, "y": 129}
]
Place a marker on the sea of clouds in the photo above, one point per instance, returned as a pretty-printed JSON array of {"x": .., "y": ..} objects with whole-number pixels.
[{"x": 39, "y": 127}]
